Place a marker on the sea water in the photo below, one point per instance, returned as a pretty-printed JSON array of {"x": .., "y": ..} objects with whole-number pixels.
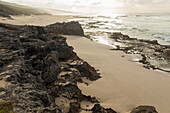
[{"x": 142, "y": 26}]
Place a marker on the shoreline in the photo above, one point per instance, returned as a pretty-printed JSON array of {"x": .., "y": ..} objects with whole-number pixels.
[
  {"x": 153, "y": 54},
  {"x": 43, "y": 20}
]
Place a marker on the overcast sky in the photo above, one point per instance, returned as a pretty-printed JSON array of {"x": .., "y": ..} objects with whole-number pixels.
[{"x": 123, "y": 6}]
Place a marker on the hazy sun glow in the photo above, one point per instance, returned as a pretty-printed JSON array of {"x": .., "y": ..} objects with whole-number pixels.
[{"x": 100, "y": 6}]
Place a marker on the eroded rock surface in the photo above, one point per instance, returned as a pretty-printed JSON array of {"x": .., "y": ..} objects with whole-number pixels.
[
  {"x": 99, "y": 109},
  {"x": 37, "y": 68},
  {"x": 144, "y": 109},
  {"x": 70, "y": 28}
]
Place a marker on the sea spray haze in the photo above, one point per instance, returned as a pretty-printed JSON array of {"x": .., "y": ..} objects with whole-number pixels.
[
  {"x": 136, "y": 18},
  {"x": 142, "y": 26}
]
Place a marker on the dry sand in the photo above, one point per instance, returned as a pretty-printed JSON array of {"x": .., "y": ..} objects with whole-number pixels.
[
  {"x": 39, "y": 20},
  {"x": 124, "y": 84}
]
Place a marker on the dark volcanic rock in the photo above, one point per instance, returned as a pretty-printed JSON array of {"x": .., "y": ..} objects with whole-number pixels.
[
  {"x": 119, "y": 35},
  {"x": 74, "y": 107},
  {"x": 85, "y": 69},
  {"x": 70, "y": 28},
  {"x": 36, "y": 67},
  {"x": 154, "y": 42},
  {"x": 155, "y": 56},
  {"x": 51, "y": 67},
  {"x": 144, "y": 109},
  {"x": 99, "y": 109}
]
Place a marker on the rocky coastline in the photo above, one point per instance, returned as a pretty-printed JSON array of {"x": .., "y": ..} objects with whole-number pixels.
[
  {"x": 150, "y": 53},
  {"x": 39, "y": 71}
]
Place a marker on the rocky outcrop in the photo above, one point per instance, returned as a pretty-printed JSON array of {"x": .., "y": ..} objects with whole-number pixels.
[
  {"x": 154, "y": 55},
  {"x": 144, "y": 109},
  {"x": 119, "y": 35},
  {"x": 70, "y": 28},
  {"x": 37, "y": 68},
  {"x": 167, "y": 53},
  {"x": 99, "y": 109}
]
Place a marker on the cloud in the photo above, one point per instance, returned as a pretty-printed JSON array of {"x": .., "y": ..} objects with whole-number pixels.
[
  {"x": 96, "y": 3},
  {"x": 146, "y": 2},
  {"x": 147, "y": 6}
]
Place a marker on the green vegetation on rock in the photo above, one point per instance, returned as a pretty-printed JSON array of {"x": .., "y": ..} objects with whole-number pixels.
[{"x": 6, "y": 107}]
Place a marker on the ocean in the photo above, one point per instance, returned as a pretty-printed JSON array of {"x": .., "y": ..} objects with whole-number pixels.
[{"x": 142, "y": 26}]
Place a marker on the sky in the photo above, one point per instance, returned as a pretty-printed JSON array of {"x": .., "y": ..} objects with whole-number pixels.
[{"x": 101, "y": 6}]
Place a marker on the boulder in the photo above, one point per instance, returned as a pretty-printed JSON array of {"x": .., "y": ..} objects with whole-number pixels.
[
  {"x": 74, "y": 107},
  {"x": 85, "y": 69},
  {"x": 154, "y": 42},
  {"x": 99, "y": 109},
  {"x": 70, "y": 28},
  {"x": 144, "y": 109},
  {"x": 167, "y": 53},
  {"x": 119, "y": 35}
]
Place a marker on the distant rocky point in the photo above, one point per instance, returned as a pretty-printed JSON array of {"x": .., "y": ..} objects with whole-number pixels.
[{"x": 7, "y": 9}]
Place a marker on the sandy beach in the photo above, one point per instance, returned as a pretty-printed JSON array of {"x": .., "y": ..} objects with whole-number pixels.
[
  {"x": 124, "y": 85},
  {"x": 38, "y": 20}
]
